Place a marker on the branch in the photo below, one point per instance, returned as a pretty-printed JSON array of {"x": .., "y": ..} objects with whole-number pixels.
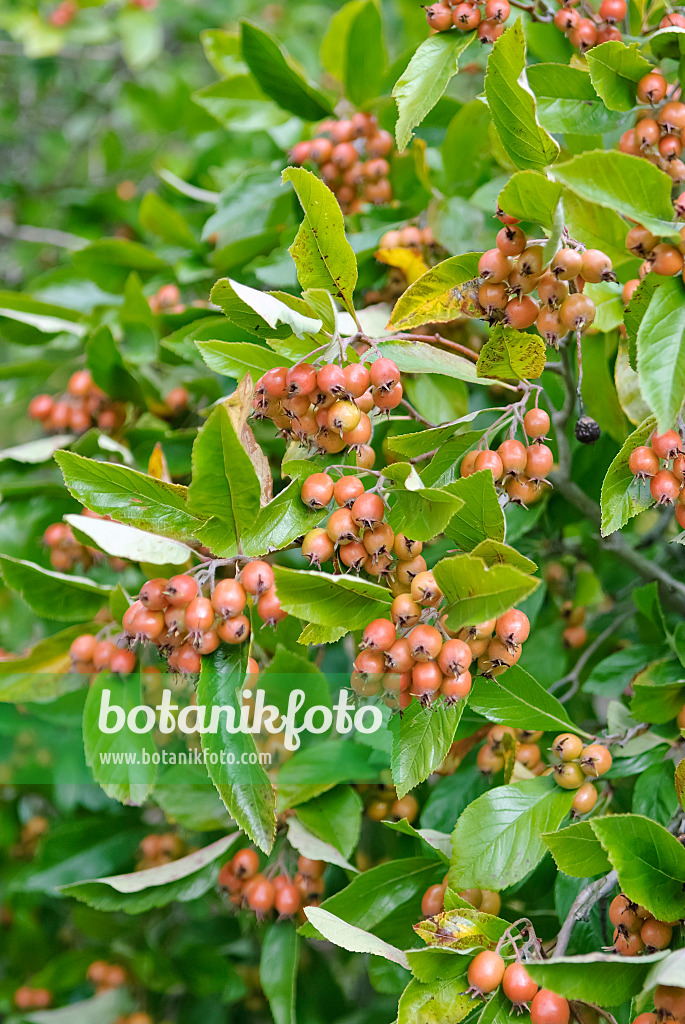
[
  {"x": 416, "y": 415},
  {"x": 573, "y": 677},
  {"x": 581, "y": 907}
]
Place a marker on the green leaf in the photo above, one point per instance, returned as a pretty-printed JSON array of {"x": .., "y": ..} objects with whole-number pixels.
[
  {"x": 513, "y": 107},
  {"x": 466, "y": 151},
  {"x": 111, "y": 260},
  {"x": 530, "y": 195},
  {"x": 446, "y": 999},
  {"x": 509, "y": 354},
  {"x": 475, "y": 591},
  {"x": 493, "y": 552},
  {"x": 425, "y": 79},
  {"x": 661, "y": 351},
  {"x": 122, "y": 541},
  {"x": 239, "y": 104},
  {"x": 129, "y": 496},
  {"x": 279, "y": 76},
  {"x": 109, "y": 370},
  {"x": 34, "y": 452},
  {"x": 181, "y": 880},
  {"x": 607, "y": 979},
  {"x": 163, "y": 220},
  {"x": 577, "y": 851},
  {"x": 259, "y": 312},
  {"x": 635, "y": 311},
  {"x": 335, "y": 817},
  {"x": 420, "y": 357},
  {"x": 650, "y": 862},
  {"x": 382, "y": 898},
  {"x": 349, "y": 937},
  {"x": 54, "y": 595},
  {"x": 236, "y": 358},
  {"x": 244, "y": 787},
  {"x": 42, "y": 673},
  {"x": 222, "y": 50},
  {"x": 279, "y": 522},
  {"x": 224, "y": 484},
  {"x": 598, "y": 389},
  {"x": 668, "y": 971},
  {"x": 497, "y": 839},
  {"x": 422, "y": 513},
  {"x": 278, "y": 970},
  {"x": 323, "y": 256},
  {"x": 314, "y": 634},
  {"x": 364, "y": 55},
  {"x": 622, "y": 496},
  {"x": 100, "y": 1009},
  {"x": 599, "y": 226},
  {"x": 615, "y": 70},
  {"x": 321, "y": 766},
  {"x": 421, "y": 738},
  {"x": 623, "y": 183},
  {"x": 480, "y": 517},
  {"x": 328, "y": 600},
  {"x": 437, "y": 297},
  {"x": 566, "y": 101},
  {"x": 125, "y": 782},
  {"x": 515, "y": 698},
  {"x": 309, "y": 845},
  {"x": 188, "y": 798}
]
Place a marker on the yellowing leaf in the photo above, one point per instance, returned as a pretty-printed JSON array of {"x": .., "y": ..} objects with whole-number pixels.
[
  {"x": 512, "y": 355},
  {"x": 157, "y": 464},
  {"x": 444, "y": 292},
  {"x": 409, "y": 261}
]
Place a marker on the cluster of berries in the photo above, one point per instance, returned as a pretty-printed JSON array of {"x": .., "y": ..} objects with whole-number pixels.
[
  {"x": 328, "y": 408},
  {"x": 182, "y": 623},
  {"x": 515, "y": 268},
  {"x": 575, "y": 764},
  {"x": 593, "y": 29},
  {"x": 167, "y": 299},
  {"x": 84, "y": 405},
  {"x": 519, "y": 470},
  {"x": 487, "y": 17},
  {"x": 669, "y": 1003},
  {"x": 66, "y": 551},
  {"x": 352, "y": 158},
  {"x": 248, "y": 887},
  {"x": 405, "y": 656},
  {"x": 636, "y": 930},
  {"x": 575, "y": 633},
  {"x": 667, "y": 486},
  {"x": 156, "y": 850},
  {"x": 490, "y": 757},
  {"x": 657, "y": 135},
  {"x": 106, "y": 977},
  {"x": 409, "y": 237},
  {"x": 657, "y": 256},
  {"x": 381, "y": 804},
  {"x": 488, "y": 970},
  {"x": 27, "y": 998},
  {"x": 485, "y": 900}
]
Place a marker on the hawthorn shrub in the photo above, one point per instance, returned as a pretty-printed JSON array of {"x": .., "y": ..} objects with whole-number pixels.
[{"x": 346, "y": 363}]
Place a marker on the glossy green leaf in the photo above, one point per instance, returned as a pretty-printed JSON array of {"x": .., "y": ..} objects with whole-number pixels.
[
  {"x": 661, "y": 351},
  {"x": 279, "y": 522},
  {"x": 515, "y": 698},
  {"x": 615, "y": 70},
  {"x": 513, "y": 107},
  {"x": 530, "y": 195},
  {"x": 335, "y": 817},
  {"x": 278, "y": 970},
  {"x": 123, "y": 541},
  {"x": 279, "y": 76},
  {"x": 260, "y": 313},
  {"x": 566, "y": 101},
  {"x": 42, "y": 673},
  {"x": 53, "y": 595},
  {"x": 497, "y": 839},
  {"x": 421, "y": 738},
  {"x": 420, "y": 357},
  {"x": 236, "y": 358},
  {"x": 480, "y": 517},
  {"x": 425, "y": 79},
  {"x": 422, "y": 513},
  {"x": 350, "y": 937},
  {"x": 607, "y": 979},
  {"x": 577, "y": 851},
  {"x": 328, "y": 600},
  {"x": 163, "y": 220},
  {"x": 475, "y": 591},
  {"x": 364, "y": 56}
]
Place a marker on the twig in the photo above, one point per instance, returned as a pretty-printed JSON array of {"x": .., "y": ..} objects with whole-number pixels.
[
  {"x": 581, "y": 907},
  {"x": 573, "y": 677},
  {"x": 416, "y": 415}
]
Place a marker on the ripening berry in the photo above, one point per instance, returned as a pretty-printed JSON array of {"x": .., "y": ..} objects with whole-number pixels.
[
  {"x": 199, "y": 614},
  {"x": 530, "y": 262},
  {"x": 153, "y": 595},
  {"x": 566, "y": 264},
  {"x": 206, "y": 642},
  {"x": 387, "y": 400},
  {"x": 330, "y": 380},
  {"x": 384, "y": 374},
  {"x": 521, "y": 312},
  {"x": 357, "y": 379},
  {"x": 235, "y": 630},
  {"x": 569, "y": 775},
  {"x": 317, "y": 547},
  {"x": 647, "y": 132},
  {"x": 404, "y": 611},
  {"x": 548, "y": 1008},
  {"x": 585, "y": 798},
  {"x": 651, "y": 88},
  {"x": 656, "y": 934},
  {"x": 300, "y": 379},
  {"x": 122, "y": 663},
  {"x": 664, "y": 487},
  {"x": 83, "y": 647},
  {"x": 577, "y": 312},
  {"x": 269, "y": 608},
  {"x": 574, "y": 637},
  {"x": 566, "y": 18},
  {"x": 439, "y": 17},
  {"x": 513, "y": 627},
  {"x": 409, "y": 568},
  {"x": 343, "y": 416},
  {"x": 670, "y": 147},
  {"x": 103, "y": 653},
  {"x": 341, "y": 527},
  {"x": 468, "y": 464},
  {"x": 646, "y": 1018},
  {"x": 511, "y": 240},
  {"x": 517, "y": 985},
  {"x": 489, "y": 459},
  {"x": 262, "y": 897},
  {"x": 667, "y": 445},
  {"x": 628, "y": 143},
  {"x": 666, "y": 260},
  {"x": 398, "y": 657},
  {"x": 494, "y": 266},
  {"x": 180, "y": 590},
  {"x": 288, "y": 899},
  {"x": 627, "y": 944},
  {"x": 257, "y": 577},
  {"x": 623, "y": 913},
  {"x": 425, "y": 590},
  {"x": 346, "y": 489},
  {"x": 40, "y": 407},
  {"x": 425, "y": 642},
  {"x": 379, "y": 635},
  {"x": 528, "y": 754},
  {"x": 426, "y": 679},
  {"x": 539, "y": 461},
  {"x": 368, "y": 510},
  {"x": 640, "y": 241},
  {"x": 536, "y": 423},
  {"x": 488, "y": 761},
  {"x": 370, "y": 665},
  {"x": 513, "y": 455},
  {"x": 584, "y": 35},
  {"x": 245, "y": 863},
  {"x": 455, "y": 688},
  {"x": 497, "y": 10},
  {"x": 596, "y": 265},
  {"x": 454, "y": 657},
  {"x": 612, "y": 11},
  {"x": 680, "y": 514},
  {"x": 490, "y": 31},
  {"x": 317, "y": 490},
  {"x": 492, "y": 296},
  {"x": 228, "y": 598},
  {"x": 671, "y": 117},
  {"x": 466, "y": 16},
  {"x": 485, "y": 972},
  {"x": 643, "y": 462},
  {"x": 595, "y": 760},
  {"x": 567, "y": 746},
  {"x": 433, "y": 901}
]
